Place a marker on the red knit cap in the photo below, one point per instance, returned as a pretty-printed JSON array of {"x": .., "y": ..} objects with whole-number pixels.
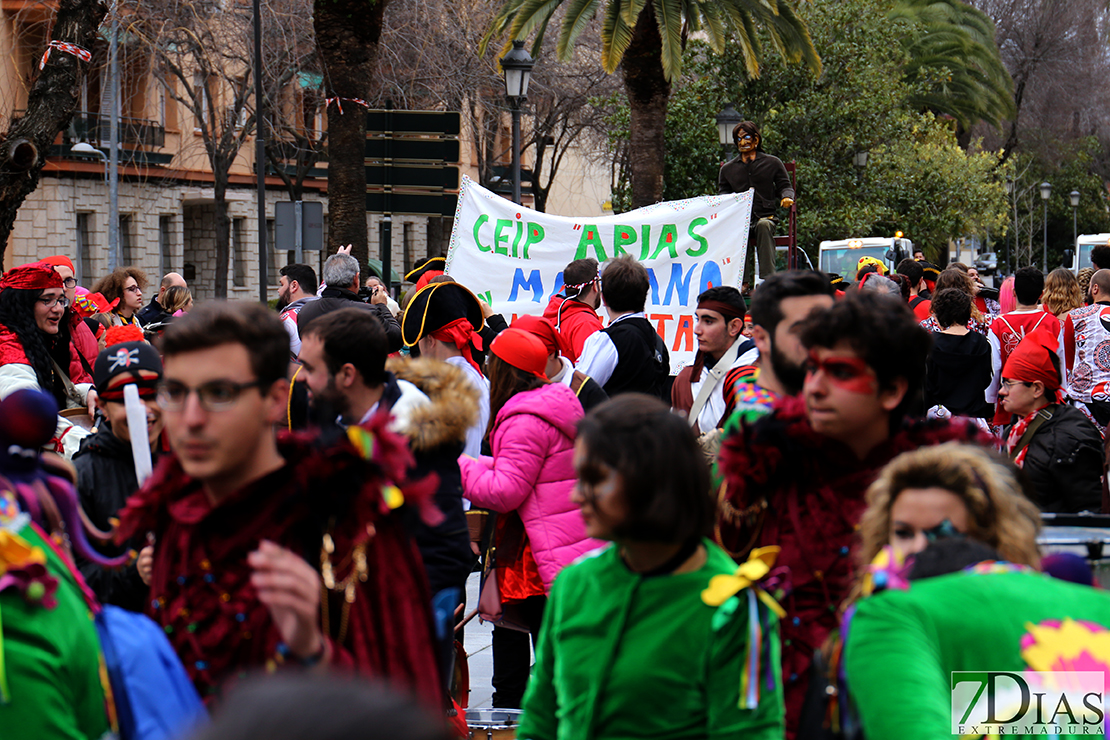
[
  {"x": 1031, "y": 361},
  {"x": 521, "y": 350},
  {"x": 543, "y": 330},
  {"x": 35, "y": 276},
  {"x": 59, "y": 260}
]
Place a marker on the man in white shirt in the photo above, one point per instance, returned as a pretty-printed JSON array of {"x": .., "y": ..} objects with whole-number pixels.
[
  {"x": 627, "y": 356},
  {"x": 724, "y": 356}
]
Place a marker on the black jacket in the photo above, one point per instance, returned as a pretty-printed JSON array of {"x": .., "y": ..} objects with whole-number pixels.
[
  {"x": 333, "y": 299},
  {"x": 436, "y": 433},
  {"x": 105, "y": 479},
  {"x": 767, "y": 175},
  {"x": 957, "y": 374},
  {"x": 1064, "y": 461},
  {"x": 153, "y": 313}
]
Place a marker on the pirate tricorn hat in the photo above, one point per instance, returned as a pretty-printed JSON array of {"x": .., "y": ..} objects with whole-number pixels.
[
  {"x": 431, "y": 263},
  {"x": 436, "y": 305}
]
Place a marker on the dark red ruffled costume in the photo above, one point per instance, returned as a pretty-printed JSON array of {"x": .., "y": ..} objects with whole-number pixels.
[
  {"x": 201, "y": 592},
  {"x": 814, "y": 488}
]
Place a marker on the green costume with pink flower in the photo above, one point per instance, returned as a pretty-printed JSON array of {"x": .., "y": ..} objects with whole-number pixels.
[
  {"x": 902, "y": 646},
  {"x": 49, "y": 650}
]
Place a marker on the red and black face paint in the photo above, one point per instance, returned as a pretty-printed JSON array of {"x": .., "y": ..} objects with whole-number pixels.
[{"x": 848, "y": 373}]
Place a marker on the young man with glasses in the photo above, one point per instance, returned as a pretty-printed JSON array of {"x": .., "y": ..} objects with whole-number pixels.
[{"x": 272, "y": 550}]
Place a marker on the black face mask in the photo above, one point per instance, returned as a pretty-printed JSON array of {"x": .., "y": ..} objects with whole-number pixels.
[{"x": 791, "y": 376}]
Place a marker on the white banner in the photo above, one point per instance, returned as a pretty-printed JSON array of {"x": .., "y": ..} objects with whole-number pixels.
[{"x": 513, "y": 257}]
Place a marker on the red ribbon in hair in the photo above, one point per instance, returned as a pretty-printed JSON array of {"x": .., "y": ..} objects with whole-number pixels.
[
  {"x": 459, "y": 333},
  {"x": 35, "y": 276},
  {"x": 1032, "y": 361}
]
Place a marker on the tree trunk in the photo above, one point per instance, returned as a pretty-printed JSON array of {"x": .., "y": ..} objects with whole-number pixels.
[
  {"x": 648, "y": 94},
  {"x": 223, "y": 234},
  {"x": 347, "y": 34},
  {"x": 50, "y": 105}
]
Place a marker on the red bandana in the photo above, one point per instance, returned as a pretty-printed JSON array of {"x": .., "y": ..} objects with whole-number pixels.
[
  {"x": 34, "y": 276},
  {"x": 459, "y": 333},
  {"x": 1030, "y": 361}
]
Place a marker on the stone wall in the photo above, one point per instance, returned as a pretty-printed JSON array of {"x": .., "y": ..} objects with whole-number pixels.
[{"x": 48, "y": 224}]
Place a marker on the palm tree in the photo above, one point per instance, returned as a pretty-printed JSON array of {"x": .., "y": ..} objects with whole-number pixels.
[
  {"x": 953, "y": 62},
  {"x": 646, "y": 38}
]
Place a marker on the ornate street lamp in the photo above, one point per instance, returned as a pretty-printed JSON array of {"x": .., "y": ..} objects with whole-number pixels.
[
  {"x": 517, "y": 67},
  {"x": 726, "y": 122}
]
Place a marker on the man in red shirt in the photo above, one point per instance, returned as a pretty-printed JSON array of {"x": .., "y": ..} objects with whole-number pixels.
[
  {"x": 915, "y": 273},
  {"x": 574, "y": 311},
  {"x": 1009, "y": 329}
]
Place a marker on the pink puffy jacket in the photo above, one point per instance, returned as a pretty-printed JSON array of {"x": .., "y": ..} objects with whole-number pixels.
[{"x": 532, "y": 472}]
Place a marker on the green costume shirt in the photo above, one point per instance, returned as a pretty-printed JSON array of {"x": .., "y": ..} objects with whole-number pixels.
[
  {"x": 903, "y": 645},
  {"x": 51, "y": 658},
  {"x": 622, "y": 656}
]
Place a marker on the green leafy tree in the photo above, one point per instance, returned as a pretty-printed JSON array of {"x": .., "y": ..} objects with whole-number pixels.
[
  {"x": 859, "y": 103},
  {"x": 646, "y": 39},
  {"x": 953, "y": 63}
]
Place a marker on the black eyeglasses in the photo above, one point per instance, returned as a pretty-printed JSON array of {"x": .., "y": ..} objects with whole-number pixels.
[
  {"x": 217, "y": 395},
  {"x": 70, "y": 282},
  {"x": 51, "y": 302},
  {"x": 1008, "y": 384}
]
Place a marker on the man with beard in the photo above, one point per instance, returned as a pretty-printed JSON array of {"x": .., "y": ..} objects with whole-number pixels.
[
  {"x": 343, "y": 359},
  {"x": 702, "y": 390},
  {"x": 779, "y": 305},
  {"x": 298, "y": 287},
  {"x": 796, "y": 478}
]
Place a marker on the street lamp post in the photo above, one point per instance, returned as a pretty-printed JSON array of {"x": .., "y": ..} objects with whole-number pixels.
[
  {"x": 1046, "y": 193},
  {"x": 1074, "y": 195},
  {"x": 517, "y": 66},
  {"x": 726, "y": 123},
  {"x": 1013, "y": 229}
]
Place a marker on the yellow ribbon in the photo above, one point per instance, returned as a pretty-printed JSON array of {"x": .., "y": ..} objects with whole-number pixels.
[{"x": 721, "y": 588}]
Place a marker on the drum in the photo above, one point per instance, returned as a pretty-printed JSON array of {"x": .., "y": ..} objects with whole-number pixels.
[
  {"x": 492, "y": 723},
  {"x": 78, "y": 417},
  {"x": 1092, "y": 543}
]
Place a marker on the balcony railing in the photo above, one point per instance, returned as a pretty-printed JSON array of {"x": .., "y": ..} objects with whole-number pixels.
[{"x": 94, "y": 128}]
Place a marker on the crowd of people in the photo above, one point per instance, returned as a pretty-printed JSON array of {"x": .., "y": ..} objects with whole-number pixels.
[{"x": 800, "y": 535}]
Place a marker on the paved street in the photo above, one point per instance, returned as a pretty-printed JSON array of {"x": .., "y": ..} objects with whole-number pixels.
[{"x": 479, "y": 647}]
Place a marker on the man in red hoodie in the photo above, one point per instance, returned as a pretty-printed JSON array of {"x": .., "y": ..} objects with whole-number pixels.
[{"x": 574, "y": 311}]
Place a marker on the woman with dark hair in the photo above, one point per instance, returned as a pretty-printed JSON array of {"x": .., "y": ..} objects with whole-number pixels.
[
  {"x": 35, "y": 353},
  {"x": 658, "y": 635},
  {"x": 958, "y": 370},
  {"x": 528, "y": 480}
]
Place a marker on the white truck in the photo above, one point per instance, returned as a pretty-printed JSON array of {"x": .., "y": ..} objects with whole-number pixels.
[
  {"x": 841, "y": 256},
  {"x": 1084, "y": 243}
]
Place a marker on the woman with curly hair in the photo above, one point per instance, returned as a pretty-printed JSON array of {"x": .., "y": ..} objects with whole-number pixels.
[
  {"x": 1061, "y": 293},
  {"x": 977, "y": 492},
  {"x": 34, "y": 353},
  {"x": 123, "y": 287}
]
